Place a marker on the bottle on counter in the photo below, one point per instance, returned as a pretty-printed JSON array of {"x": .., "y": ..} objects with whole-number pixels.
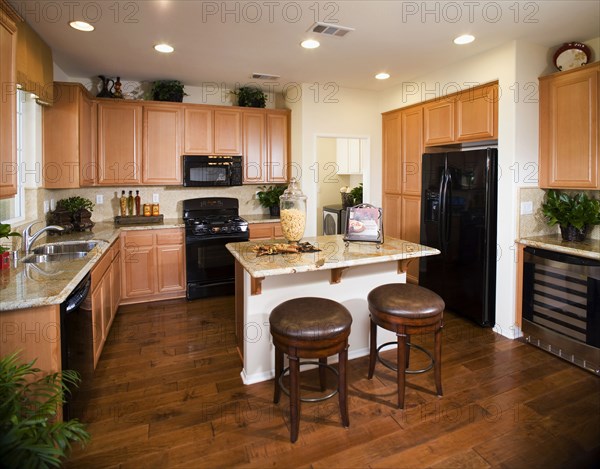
[
  {"x": 130, "y": 203},
  {"x": 138, "y": 201},
  {"x": 123, "y": 204}
]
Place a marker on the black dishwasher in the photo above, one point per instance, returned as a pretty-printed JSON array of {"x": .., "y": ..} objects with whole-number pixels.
[
  {"x": 76, "y": 342},
  {"x": 561, "y": 306}
]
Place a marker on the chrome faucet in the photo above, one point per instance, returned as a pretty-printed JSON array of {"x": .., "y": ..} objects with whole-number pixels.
[{"x": 29, "y": 239}]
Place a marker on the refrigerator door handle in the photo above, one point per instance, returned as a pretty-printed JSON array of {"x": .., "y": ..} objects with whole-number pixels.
[
  {"x": 442, "y": 209},
  {"x": 448, "y": 205}
]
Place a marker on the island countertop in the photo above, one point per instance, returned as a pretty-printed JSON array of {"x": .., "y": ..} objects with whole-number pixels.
[{"x": 333, "y": 254}]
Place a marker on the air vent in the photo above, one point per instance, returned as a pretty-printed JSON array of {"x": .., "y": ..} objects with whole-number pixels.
[
  {"x": 330, "y": 29},
  {"x": 265, "y": 76}
]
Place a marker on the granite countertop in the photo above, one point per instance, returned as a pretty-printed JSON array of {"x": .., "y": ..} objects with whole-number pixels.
[
  {"x": 32, "y": 285},
  {"x": 263, "y": 218},
  {"x": 334, "y": 254},
  {"x": 589, "y": 248}
]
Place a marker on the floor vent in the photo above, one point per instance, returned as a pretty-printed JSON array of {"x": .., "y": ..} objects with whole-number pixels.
[{"x": 330, "y": 29}]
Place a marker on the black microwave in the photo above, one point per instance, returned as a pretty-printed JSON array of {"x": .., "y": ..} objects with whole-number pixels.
[{"x": 211, "y": 171}]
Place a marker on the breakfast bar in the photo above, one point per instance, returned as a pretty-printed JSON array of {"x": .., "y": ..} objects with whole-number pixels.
[{"x": 340, "y": 271}]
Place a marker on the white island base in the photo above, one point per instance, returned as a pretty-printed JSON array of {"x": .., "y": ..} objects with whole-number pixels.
[{"x": 343, "y": 275}]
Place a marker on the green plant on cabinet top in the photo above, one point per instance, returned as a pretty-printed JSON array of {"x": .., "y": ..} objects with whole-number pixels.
[{"x": 578, "y": 211}]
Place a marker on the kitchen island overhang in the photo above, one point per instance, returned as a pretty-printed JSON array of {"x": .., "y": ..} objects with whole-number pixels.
[{"x": 343, "y": 272}]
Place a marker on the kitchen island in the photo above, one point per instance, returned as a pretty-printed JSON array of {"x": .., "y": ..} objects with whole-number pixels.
[{"x": 345, "y": 273}]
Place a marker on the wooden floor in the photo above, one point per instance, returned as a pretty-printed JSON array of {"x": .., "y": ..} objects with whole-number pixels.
[{"x": 167, "y": 393}]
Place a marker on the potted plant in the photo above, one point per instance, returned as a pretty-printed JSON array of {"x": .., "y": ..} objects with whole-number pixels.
[
  {"x": 30, "y": 434},
  {"x": 250, "y": 97},
  {"x": 268, "y": 197},
  {"x": 168, "y": 90},
  {"x": 574, "y": 214},
  {"x": 72, "y": 213},
  {"x": 351, "y": 197},
  {"x": 5, "y": 232}
]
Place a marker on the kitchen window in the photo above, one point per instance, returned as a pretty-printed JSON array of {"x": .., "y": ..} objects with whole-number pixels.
[{"x": 13, "y": 210}]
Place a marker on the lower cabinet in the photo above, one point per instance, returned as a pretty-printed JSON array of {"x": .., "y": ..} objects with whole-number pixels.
[
  {"x": 105, "y": 297},
  {"x": 265, "y": 230},
  {"x": 153, "y": 265}
]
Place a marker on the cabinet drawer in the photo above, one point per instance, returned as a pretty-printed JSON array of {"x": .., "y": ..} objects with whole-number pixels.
[
  {"x": 261, "y": 230},
  {"x": 169, "y": 236},
  {"x": 139, "y": 238}
]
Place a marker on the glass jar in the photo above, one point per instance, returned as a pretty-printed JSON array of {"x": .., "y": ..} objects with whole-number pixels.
[{"x": 293, "y": 212}]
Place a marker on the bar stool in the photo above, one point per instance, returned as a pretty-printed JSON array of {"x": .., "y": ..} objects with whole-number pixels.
[
  {"x": 406, "y": 309},
  {"x": 310, "y": 328}
]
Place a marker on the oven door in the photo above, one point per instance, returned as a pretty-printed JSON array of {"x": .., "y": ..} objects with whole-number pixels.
[
  {"x": 210, "y": 267},
  {"x": 205, "y": 174}
]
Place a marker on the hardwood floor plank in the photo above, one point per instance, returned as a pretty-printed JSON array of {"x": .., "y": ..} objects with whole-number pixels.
[{"x": 168, "y": 393}]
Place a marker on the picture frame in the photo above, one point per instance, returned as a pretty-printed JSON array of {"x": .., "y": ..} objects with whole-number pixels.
[{"x": 364, "y": 222}]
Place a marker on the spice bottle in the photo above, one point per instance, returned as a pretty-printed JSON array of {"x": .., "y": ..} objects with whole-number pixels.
[
  {"x": 130, "y": 203},
  {"x": 123, "y": 204},
  {"x": 138, "y": 201}
]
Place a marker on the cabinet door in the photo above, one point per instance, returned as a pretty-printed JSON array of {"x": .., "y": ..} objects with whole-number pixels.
[
  {"x": 97, "y": 326},
  {"x": 228, "y": 132},
  {"x": 87, "y": 141},
  {"x": 411, "y": 140},
  {"x": 569, "y": 122},
  {"x": 161, "y": 158},
  {"x": 410, "y": 229},
  {"x": 392, "y": 209},
  {"x": 476, "y": 114},
  {"x": 119, "y": 143},
  {"x": 254, "y": 146},
  {"x": 170, "y": 252},
  {"x": 277, "y": 147},
  {"x": 438, "y": 118},
  {"x": 198, "y": 132},
  {"x": 341, "y": 155},
  {"x": 115, "y": 279},
  {"x": 107, "y": 316},
  {"x": 392, "y": 175},
  {"x": 138, "y": 265},
  {"x": 354, "y": 156},
  {"x": 8, "y": 103}
]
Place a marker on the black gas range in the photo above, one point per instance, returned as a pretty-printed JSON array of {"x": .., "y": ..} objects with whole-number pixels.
[{"x": 211, "y": 223}]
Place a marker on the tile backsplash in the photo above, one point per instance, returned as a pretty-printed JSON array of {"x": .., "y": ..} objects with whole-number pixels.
[{"x": 535, "y": 223}]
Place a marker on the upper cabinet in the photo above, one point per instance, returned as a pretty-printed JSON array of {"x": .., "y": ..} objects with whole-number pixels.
[
  {"x": 469, "y": 116},
  {"x": 266, "y": 146},
  {"x": 392, "y": 168},
  {"x": 411, "y": 143},
  {"x": 162, "y": 138},
  {"x": 349, "y": 155},
  {"x": 8, "y": 147},
  {"x": 67, "y": 138},
  {"x": 569, "y": 148},
  {"x": 119, "y": 143},
  {"x": 212, "y": 131}
]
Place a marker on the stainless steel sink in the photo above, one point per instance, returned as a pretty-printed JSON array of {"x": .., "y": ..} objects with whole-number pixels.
[
  {"x": 61, "y": 257},
  {"x": 66, "y": 247}
]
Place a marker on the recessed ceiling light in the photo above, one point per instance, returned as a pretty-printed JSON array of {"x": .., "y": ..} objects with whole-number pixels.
[
  {"x": 382, "y": 76},
  {"x": 164, "y": 48},
  {"x": 81, "y": 26},
  {"x": 310, "y": 44},
  {"x": 464, "y": 39}
]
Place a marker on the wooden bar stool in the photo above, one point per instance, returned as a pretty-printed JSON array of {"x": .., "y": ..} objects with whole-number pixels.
[
  {"x": 310, "y": 328},
  {"x": 406, "y": 309}
]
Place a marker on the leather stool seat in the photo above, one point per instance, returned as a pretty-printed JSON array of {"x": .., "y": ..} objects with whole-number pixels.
[
  {"x": 406, "y": 309},
  {"x": 310, "y": 327}
]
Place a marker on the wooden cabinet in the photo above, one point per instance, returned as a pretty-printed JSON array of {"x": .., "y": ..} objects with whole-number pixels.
[
  {"x": 410, "y": 229},
  {"x": 392, "y": 210},
  {"x": 266, "y": 146},
  {"x": 67, "y": 138},
  {"x": 569, "y": 123},
  {"x": 468, "y": 116},
  {"x": 8, "y": 103},
  {"x": 212, "y": 130},
  {"x": 105, "y": 297},
  {"x": 270, "y": 230},
  {"x": 349, "y": 155},
  {"x": 392, "y": 171},
  {"x": 411, "y": 144},
  {"x": 153, "y": 265},
  {"x": 119, "y": 143},
  {"x": 162, "y": 142}
]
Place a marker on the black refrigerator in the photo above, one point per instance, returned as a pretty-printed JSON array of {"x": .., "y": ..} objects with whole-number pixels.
[{"x": 458, "y": 217}]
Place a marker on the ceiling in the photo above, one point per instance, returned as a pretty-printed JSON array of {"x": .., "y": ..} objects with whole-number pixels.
[{"x": 219, "y": 42}]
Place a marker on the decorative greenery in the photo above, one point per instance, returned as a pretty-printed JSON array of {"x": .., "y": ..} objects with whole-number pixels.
[
  {"x": 357, "y": 194},
  {"x": 168, "y": 90},
  {"x": 74, "y": 204},
  {"x": 5, "y": 233},
  {"x": 250, "y": 97},
  {"x": 30, "y": 435},
  {"x": 565, "y": 210},
  {"x": 269, "y": 196}
]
